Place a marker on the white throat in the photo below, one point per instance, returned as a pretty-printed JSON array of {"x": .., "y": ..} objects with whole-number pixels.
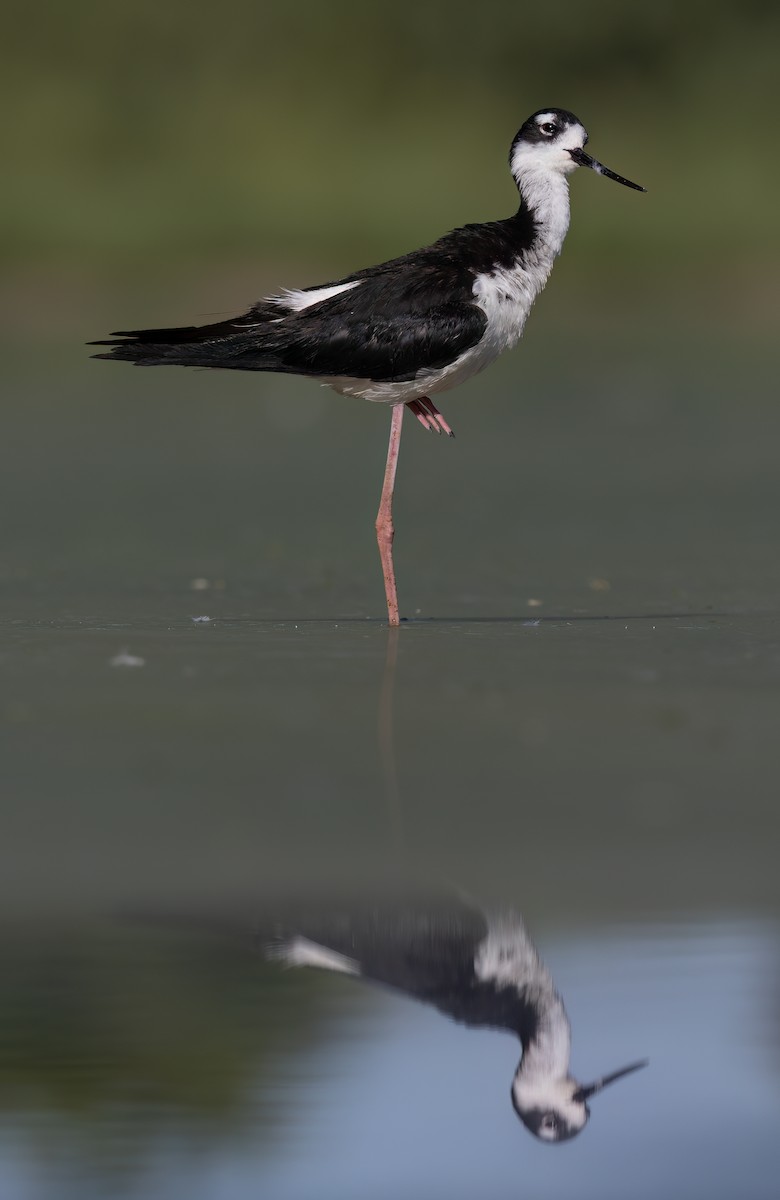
[
  {"x": 540, "y": 170},
  {"x": 546, "y": 193},
  {"x": 547, "y": 1055},
  {"x": 508, "y": 958}
]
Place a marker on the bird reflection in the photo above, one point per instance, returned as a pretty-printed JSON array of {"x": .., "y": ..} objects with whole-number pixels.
[{"x": 479, "y": 968}]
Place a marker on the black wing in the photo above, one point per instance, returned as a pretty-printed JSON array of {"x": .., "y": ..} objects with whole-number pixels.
[
  {"x": 410, "y": 314},
  {"x": 385, "y": 328},
  {"x": 424, "y": 948},
  {"x": 376, "y": 342}
]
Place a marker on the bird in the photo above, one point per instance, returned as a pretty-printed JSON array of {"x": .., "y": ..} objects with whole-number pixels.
[
  {"x": 477, "y": 966},
  {"x": 407, "y": 329}
]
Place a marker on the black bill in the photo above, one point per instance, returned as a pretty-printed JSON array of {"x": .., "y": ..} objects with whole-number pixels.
[
  {"x": 584, "y": 1093},
  {"x": 585, "y": 160}
]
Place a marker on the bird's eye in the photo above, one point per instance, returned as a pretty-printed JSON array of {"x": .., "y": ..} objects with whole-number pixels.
[{"x": 548, "y": 128}]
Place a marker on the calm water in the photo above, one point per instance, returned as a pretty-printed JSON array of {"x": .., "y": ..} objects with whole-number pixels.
[
  {"x": 175, "y": 1067},
  {"x": 606, "y": 758}
]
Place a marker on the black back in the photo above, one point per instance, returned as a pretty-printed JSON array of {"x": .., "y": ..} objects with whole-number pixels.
[
  {"x": 425, "y": 949},
  {"x": 406, "y": 315}
]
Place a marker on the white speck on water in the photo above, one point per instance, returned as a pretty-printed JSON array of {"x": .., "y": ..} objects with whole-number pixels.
[
  {"x": 124, "y": 659},
  {"x": 200, "y": 584},
  {"x": 200, "y": 620},
  {"x": 531, "y": 624}
]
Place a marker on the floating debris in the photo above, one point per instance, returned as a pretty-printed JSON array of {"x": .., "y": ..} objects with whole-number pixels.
[{"x": 200, "y": 620}]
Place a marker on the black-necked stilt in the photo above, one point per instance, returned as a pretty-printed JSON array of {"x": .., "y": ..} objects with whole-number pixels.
[
  {"x": 481, "y": 969},
  {"x": 409, "y": 328}
]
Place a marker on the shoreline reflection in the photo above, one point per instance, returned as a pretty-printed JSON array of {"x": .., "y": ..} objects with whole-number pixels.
[{"x": 479, "y": 968}]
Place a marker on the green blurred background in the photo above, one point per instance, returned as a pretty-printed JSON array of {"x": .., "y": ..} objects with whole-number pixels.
[{"x": 143, "y": 140}]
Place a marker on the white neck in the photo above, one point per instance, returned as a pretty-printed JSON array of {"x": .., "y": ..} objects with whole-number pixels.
[
  {"x": 546, "y": 194},
  {"x": 547, "y": 1055},
  {"x": 507, "y": 958}
]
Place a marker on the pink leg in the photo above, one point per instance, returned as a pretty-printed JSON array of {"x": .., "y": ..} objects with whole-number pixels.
[
  {"x": 425, "y": 420},
  {"x": 429, "y": 416},
  {"x": 384, "y": 518}
]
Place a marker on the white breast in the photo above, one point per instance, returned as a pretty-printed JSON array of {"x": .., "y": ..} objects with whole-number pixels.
[
  {"x": 507, "y": 956},
  {"x": 505, "y": 295}
]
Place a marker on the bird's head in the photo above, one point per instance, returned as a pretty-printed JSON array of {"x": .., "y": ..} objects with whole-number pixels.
[
  {"x": 555, "y": 1110},
  {"x": 552, "y": 141}
]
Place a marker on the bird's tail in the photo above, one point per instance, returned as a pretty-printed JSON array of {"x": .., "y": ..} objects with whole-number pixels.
[{"x": 236, "y": 344}]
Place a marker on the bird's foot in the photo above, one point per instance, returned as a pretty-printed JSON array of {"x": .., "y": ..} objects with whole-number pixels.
[{"x": 429, "y": 416}]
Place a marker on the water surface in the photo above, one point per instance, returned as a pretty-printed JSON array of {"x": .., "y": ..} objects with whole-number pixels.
[{"x": 579, "y": 716}]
